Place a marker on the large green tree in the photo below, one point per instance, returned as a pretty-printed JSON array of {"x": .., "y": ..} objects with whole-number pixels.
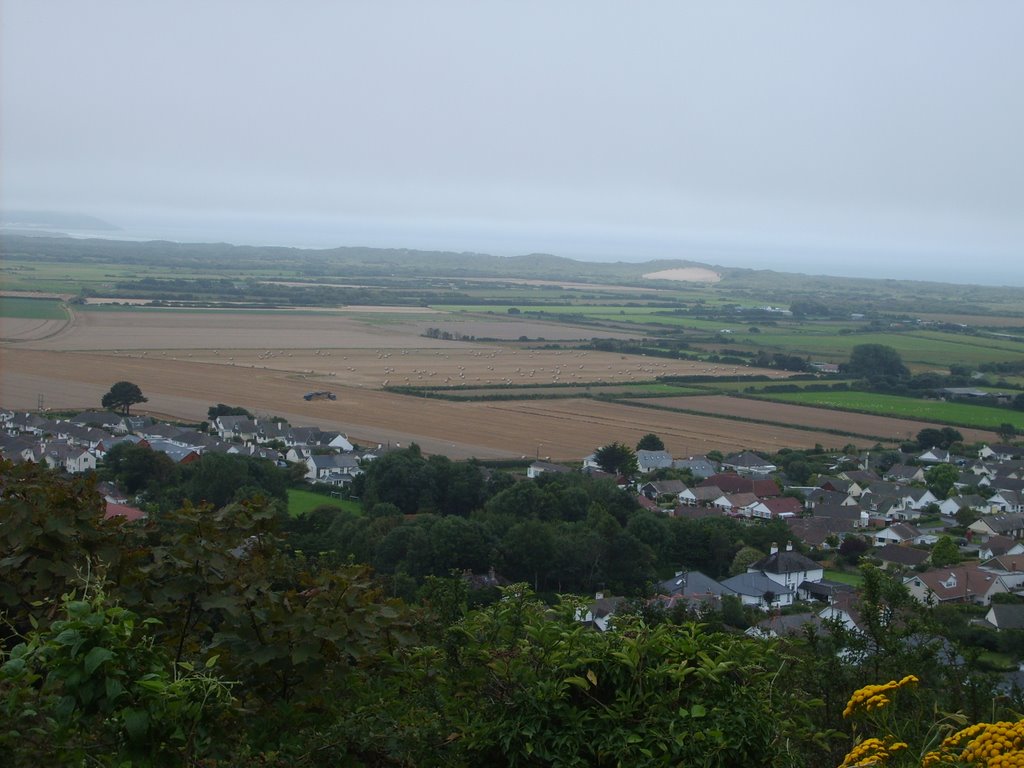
[
  {"x": 874, "y": 361},
  {"x": 616, "y": 459},
  {"x": 941, "y": 479},
  {"x": 945, "y": 552},
  {"x": 122, "y": 396},
  {"x": 650, "y": 442}
]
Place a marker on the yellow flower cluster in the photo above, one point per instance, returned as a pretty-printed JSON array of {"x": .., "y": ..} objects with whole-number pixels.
[
  {"x": 871, "y": 752},
  {"x": 996, "y": 745},
  {"x": 875, "y": 696}
]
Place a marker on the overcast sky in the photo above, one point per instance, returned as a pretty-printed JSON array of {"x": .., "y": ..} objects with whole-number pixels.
[{"x": 838, "y": 137}]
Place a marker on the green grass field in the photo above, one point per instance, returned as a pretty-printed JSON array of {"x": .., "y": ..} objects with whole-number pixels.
[
  {"x": 32, "y": 309},
  {"x": 932, "y": 349},
  {"x": 957, "y": 414},
  {"x": 844, "y": 577},
  {"x": 302, "y": 502}
]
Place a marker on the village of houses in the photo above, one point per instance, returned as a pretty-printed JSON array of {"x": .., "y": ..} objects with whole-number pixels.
[{"x": 854, "y": 500}]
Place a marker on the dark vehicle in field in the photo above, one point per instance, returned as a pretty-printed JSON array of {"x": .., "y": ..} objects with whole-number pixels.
[{"x": 320, "y": 396}]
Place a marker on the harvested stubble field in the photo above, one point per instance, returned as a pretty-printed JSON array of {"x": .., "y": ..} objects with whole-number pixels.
[
  {"x": 563, "y": 429},
  {"x": 186, "y": 362},
  {"x": 818, "y": 418},
  {"x": 176, "y": 329}
]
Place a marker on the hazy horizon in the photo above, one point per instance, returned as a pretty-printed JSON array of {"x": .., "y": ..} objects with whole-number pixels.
[{"x": 868, "y": 140}]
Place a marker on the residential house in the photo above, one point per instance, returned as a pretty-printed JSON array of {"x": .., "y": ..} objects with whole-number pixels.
[
  {"x": 31, "y": 424},
  {"x": 821, "y": 497},
  {"x": 648, "y": 461},
  {"x": 659, "y": 488},
  {"x": 690, "y": 512},
  {"x": 998, "y": 525},
  {"x": 905, "y": 475},
  {"x": 949, "y": 507},
  {"x": 819, "y": 531},
  {"x": 955, "y": 584},
  {"x": 862, "y": 477},
  {"x": 935, "y": 456},
  {"x": 788, "y": 568},
  {"x": 68, "y": 458},
  {"x": 693, "y": 588},
  {"x": 107, "y": 420},
  {"x": 898, "y": 557},
  {"x": 308, "y": 436},
  {"x": 1006, "y": 501},
  {"x": 82, "y": 436},
  {"x": 599, "y": 612},
  {"x": 335, "y": 469},
  {"x": 701, "y": 496},
  {"x": 780, "y": 507},
  {"x": 898, "y": 533},
  {"x": 538, "y": 468},
  {"x": 759, "y": 590},
  {"x": 737, "y": 503},
  {"x": 845, "y": 608},
  {"x": 18, "y": 449},
  {"x": 337, "y": 441},
  {"x": 1000, "y": 452},
  {"x": 1009, "y": 567},
  {"x": 235, "y": 427},
  {"x": 132, "y": 425},
  {"x": 111, "y": 493},
  {"x": 1006, "y": 616},
  {"x": 699, "y": 466},
  {"x": 179, "y": 454},
  {"x": 730, "y": 482},
  {"x": 854, "y": 514},
  {"x": 846, "y": 487},
  {"x": 919, "y": 498},
  {"x": 787, "y": 625},
  {"x": 125, "y": 511},
  {"x": 996, "y": 546},
  {"x": 748, "y": 463}
]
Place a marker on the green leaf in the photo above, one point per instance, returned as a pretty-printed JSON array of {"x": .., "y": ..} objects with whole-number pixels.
[
  {"x": 114, "y": 688},
  {"x": 698, "y": 710},
  {"x": 95, "y": 657},
  {"x": 578, "y": 681},
  {"x": 212, "y": 661},
  {"x": 591, "y": 676},
  {"x": 136, "y": 723}
]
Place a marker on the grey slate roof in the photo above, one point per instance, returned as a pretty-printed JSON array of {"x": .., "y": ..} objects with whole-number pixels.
[
  {"x": 755, "y": 585},
  {"x": 785, "y": 561}
]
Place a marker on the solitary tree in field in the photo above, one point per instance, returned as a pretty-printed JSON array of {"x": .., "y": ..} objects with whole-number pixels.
[{"x": 122, "y": 396}]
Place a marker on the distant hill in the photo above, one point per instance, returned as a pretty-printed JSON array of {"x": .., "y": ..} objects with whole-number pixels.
[
  {"x": 47, "y": 221},
  {"x": 363, "y": 262}
]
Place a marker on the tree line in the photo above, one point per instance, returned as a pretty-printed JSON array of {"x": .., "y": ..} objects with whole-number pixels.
[{"x": 200, "y": 637}]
